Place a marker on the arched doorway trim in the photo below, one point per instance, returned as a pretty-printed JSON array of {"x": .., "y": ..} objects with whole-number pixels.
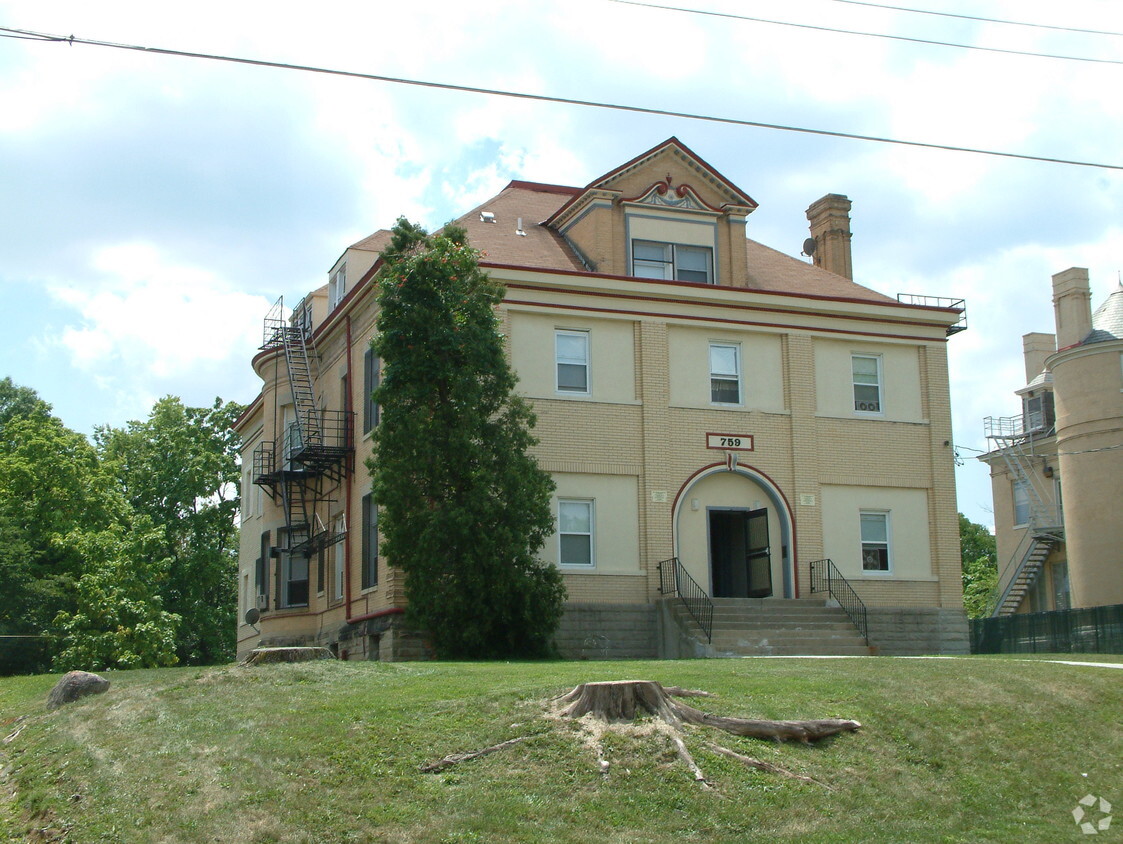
[{"x": 775, "y": 496}]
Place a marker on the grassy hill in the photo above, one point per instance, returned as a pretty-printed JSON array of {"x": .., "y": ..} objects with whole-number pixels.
[{"x": 973, "y": 749}]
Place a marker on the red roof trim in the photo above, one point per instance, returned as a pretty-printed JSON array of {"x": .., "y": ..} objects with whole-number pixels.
[
  {"x": 724, "y": 320},
  {"x": 701, "y": 285}
]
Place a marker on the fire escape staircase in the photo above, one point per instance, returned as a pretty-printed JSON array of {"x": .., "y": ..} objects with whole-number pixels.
[
  {"x": 1044, "y": 529},
  {"x": 314, "y": 452}
]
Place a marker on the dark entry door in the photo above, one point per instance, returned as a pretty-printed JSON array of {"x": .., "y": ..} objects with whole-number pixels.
[{"x": 740, "y": 557}]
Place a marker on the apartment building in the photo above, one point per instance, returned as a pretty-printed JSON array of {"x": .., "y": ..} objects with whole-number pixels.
[
  {"x": 711, "y": 410},
  {"x": 1057, "y": 467}
]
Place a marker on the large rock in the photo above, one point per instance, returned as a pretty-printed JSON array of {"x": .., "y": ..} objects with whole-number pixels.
[{"x": 73, "y": 685}]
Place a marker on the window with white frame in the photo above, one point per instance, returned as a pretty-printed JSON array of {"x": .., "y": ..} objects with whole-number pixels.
[
  {"x": 672, "y": 261},
  {"x": 339, "y": 555},
  {"x": 725, "y": 373},
  {"x": 1021, "y": 503},
  {"x": 575, "y": 532},
  {"x": 866, "y": 371},
  {"x": 875, "y": 541},
  {"x": 572, "y": 359},
  {"x": 337, "y": 287}
]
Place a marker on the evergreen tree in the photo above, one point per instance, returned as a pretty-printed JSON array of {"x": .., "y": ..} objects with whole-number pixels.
[{"x": 465, "y": 509}]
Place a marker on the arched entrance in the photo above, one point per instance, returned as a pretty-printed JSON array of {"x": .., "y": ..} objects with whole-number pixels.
[{"x": 733, "y": 532}]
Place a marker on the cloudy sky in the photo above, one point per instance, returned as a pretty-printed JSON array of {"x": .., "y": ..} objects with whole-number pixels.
[{"x": 153, "y": 207}]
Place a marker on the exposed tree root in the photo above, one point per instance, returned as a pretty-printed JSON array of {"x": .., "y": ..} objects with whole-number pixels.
[
  {"x": 619, "y": 701},
  {"x": 595, "y": 706},
  {"x": 457, "y": 758},
  {"x": 767, "y": 767}
]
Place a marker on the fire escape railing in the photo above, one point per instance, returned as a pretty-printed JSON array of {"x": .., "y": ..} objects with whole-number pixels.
[
  {"x": 317, "y": 446},
  {"x": 947, "y": 302},
  {"x": 825, "y": 577},
  {"x": 1016, "y": 444},
  {"x": 674, "y": 579}
]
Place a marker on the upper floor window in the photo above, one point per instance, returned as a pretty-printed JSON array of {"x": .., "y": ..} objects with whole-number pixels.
[
  {"x": 1039, "y": 412},
  {"x": 1021, "y": 503},
  {"x": 725, "y": 373},
  {"x": 337, "y": 287},
  {"x": 672, "y": 261},
  {"x": 875, "y": 541},
  {"x": 866, "y": 371},
  {"x": 370, "y": 383},
  {"x": 572, "y": 359}
]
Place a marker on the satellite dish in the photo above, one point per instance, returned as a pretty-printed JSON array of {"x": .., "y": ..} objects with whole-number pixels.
[
  {"x": 809, "y": 246},
  {"x": 253, "y": 615}
]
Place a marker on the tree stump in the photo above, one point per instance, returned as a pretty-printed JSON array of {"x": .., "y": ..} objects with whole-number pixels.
[{"x": 619, "y": 700}]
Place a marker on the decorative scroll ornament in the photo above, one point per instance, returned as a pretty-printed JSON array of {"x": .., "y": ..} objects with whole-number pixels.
[{"x": 663, "y": 194}]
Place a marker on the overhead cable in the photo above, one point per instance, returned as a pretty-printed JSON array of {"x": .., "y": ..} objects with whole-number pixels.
[
  {"x": 927, "y": 41},
  {"x": 981, "y": 19},
  {"x": 446, "y": 86}
]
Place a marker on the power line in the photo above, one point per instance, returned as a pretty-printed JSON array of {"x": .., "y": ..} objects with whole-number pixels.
[
  {"x": 983, "y": 20},
  {"x": 866, "y": 34},
  {"x": 495, "y": 92}
]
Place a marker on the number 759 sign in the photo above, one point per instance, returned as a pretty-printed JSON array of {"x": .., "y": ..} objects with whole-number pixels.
[{"x": 730, "y": 442}]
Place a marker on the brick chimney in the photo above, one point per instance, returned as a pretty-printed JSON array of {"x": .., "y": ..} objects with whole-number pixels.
[
  {"x": 830, "y": 228},
  {"x": 1036, "y": 347},
  {"x": 1072, "y": 306}
]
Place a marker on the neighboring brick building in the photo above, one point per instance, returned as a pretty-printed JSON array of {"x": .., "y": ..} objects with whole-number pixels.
[
  {"x": 1059, "y": 551},
  {"x": 700, "y": 396}
]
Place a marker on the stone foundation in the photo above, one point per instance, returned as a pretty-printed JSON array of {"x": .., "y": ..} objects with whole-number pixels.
[
  {"x": 918, "y": 631},
  {"x": 608, "y": 631}
]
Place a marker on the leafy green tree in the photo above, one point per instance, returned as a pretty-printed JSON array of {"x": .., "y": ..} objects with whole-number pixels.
[
  {"x": 980, "y": 566},
  {"x": 465, "y": 508},
  {"x": 119, "y": 620},
  {"x": 179, "y": 468},
  {"x": 52, "y": 489}
]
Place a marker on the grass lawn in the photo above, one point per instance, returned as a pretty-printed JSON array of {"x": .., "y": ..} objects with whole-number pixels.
[{"x": 952, "y": 750}]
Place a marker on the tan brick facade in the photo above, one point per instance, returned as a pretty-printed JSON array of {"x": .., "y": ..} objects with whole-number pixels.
[{"x": 642, "y": 445}]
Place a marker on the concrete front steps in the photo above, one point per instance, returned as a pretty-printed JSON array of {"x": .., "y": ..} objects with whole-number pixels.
[{"x": 778, "y": 627}]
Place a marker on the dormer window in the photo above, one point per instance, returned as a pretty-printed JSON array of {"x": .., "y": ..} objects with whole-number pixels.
[
  {"x": 337, "y": 287},
  {"x": 672, "y": 261},
  {"x": 1039, "y": 412}
]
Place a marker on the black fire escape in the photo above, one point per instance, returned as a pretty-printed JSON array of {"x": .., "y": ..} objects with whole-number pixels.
[{"x": 304, "y": 465}]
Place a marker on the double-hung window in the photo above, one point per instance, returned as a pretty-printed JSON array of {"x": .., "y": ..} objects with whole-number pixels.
[
  {"x": 725, "y": 373},
  {"x": 1021, "y": 503},
  {"x": 575, "y": 532},
  {"x": 866, "y": 371},
  {"x": 672, "y": 261},
  {"x": 339, "y": 556},
  {"x": 337, "y": 287},
  {"x": 370, "y": 542},
  {"x": 572, "y": 361},
  {"x": 875, "y": 541},
  {"x": 370, "y": 384},
  {"x": 294, "y": 574}
]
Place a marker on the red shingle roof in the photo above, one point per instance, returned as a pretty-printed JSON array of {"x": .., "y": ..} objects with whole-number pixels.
[{"x": 543, "y": 248}]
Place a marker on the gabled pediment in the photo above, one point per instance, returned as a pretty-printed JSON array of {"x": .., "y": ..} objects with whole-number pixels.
[{"x": 669, "y": 175}]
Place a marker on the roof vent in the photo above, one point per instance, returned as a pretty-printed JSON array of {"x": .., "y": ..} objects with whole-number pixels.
[
  {"x": 519, "y": 228},
  {"x": 487, "y": 217}
]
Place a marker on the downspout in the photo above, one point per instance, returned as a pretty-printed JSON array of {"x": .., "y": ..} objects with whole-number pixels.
[{"x": 347, "y": 482}]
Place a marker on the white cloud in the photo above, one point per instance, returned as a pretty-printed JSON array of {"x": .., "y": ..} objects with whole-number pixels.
[{"x": 147, "y": 317}]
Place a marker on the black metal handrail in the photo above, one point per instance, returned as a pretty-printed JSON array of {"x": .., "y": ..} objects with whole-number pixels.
[
  {"x": 674, "y": 579},
  {"x": 825, "y": 577}
]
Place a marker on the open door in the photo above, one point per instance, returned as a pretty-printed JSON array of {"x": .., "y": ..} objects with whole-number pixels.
[{"x": 740, "y": 556}]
